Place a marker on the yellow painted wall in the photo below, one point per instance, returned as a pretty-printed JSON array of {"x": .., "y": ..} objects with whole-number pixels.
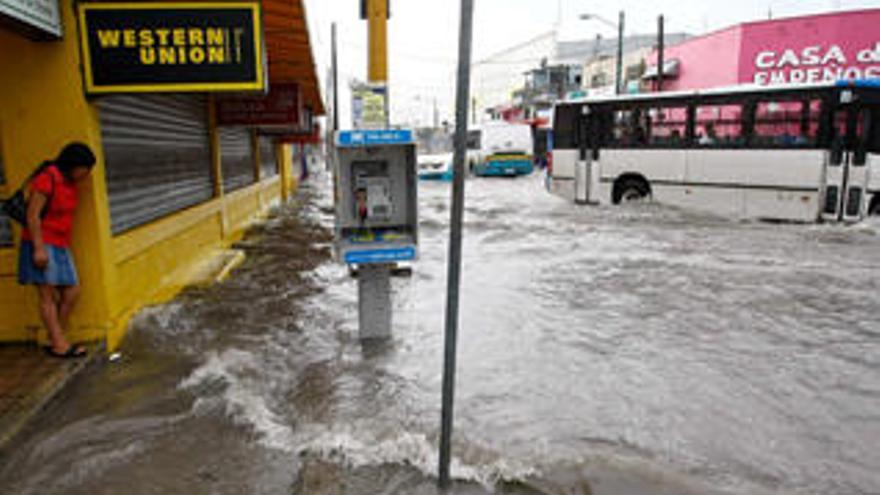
[
  {"x": 156, "y": 261},
  {"x": 42, "y": 107}
]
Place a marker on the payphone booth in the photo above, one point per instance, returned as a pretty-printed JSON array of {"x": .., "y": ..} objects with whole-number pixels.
[{"x": 376, "y": 216}]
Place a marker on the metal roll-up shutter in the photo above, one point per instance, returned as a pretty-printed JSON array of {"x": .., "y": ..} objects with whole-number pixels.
[
  {"x": 5, "y": 225},
  {"x": 268, "y": 161},
  {"x": 237, "y": 155},
  {"x": 158, "y": 156}
]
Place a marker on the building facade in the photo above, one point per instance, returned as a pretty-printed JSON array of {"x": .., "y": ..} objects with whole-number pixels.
[
  {"x": 174, "y": 186},
  {"x": 809, "y": 49}
]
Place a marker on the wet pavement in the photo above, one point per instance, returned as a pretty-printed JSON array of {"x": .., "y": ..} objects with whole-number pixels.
[
  {"x": 29, "y": 380},
  {"x": 629, "y": 350}
]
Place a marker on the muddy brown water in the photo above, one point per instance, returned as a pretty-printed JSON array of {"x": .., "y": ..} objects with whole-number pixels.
[{"x": 633, "y": 350}]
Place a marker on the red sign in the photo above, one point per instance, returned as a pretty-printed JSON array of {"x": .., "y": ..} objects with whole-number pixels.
[
  {"x": 313, "y": 137},
  {"x": 281, "y": 107}
]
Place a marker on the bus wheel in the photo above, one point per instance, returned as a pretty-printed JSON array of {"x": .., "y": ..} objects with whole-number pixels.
[{"x": 631, "y": 189}]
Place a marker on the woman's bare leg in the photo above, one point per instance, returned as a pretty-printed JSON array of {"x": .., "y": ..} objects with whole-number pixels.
[
  {"x": 69, "y": 298},
  {"x": 50, "y": 316}
]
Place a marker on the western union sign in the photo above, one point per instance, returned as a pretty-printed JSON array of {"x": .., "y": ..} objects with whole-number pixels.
[{"x": 172, "y": 47}]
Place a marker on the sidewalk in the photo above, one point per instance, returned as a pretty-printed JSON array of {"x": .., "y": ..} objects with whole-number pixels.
[{"x": 29, "y": 379}]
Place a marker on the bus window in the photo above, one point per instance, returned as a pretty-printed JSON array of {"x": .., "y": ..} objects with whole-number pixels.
[
  {"x": 786, "y": 124},
  {"x": 719, "y": 126},
  {"x": 666, "y": 127},
  {"x": 630, "y": 128}
]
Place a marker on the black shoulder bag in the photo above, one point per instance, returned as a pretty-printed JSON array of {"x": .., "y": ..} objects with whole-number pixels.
[{"x": 16, "y": 207}]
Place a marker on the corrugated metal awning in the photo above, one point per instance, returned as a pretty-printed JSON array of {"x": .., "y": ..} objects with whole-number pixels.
[{"x": 290, "y": 51}]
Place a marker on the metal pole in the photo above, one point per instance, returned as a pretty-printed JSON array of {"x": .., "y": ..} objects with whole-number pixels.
[
  {"x": 454, "y": 276},
  {"x": 335, "y": 64},
  {"x": 620, "y": 29},
  {"x": 661, "y": 47}
]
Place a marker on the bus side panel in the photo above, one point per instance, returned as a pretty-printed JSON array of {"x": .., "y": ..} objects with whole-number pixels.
[
  {"x": 659, "y": 167},
  {"x": 727, "y": 202},
  {"x": 772, "y": 184},
  {"x": 873, "y": 177}
]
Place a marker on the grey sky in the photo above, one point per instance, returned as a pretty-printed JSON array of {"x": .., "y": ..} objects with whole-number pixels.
[{"x": 423, "y": 35}]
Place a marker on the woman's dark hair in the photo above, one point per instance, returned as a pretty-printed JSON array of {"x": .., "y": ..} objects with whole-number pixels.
[{"x": 74, "y": 155}]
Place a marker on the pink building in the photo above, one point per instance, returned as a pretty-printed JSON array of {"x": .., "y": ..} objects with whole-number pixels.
[{"x": 811, "y": 49}]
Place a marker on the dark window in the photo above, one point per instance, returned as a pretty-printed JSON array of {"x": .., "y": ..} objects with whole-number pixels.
[
  {"x": 542, "y": 141},
  {"x": 873, "y": 134},
  {"x": 719, "y": 126},
  {"x": 854, "y": 202},
  {"x": 474, "y": 140},
  {"x": 832, "y": 199},
  {"x": 565, "y": 127},
  {"x": 786, "y": 124},
  {"x": 627, "y": 129}
]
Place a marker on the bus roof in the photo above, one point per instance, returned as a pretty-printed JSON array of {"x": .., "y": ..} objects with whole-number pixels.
[{"x": 728, "y": 90}]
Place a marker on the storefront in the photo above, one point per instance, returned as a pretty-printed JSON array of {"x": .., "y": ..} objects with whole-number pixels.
[
  {"x": 174, "y": 188},
  {"x": 811, "y": 49}
]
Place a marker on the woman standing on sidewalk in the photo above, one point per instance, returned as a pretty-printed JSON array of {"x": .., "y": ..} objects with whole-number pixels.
[{"x": 45, "y": 259}]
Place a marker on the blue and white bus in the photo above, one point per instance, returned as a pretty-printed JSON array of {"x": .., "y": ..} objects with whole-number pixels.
[
  {"x": 790, "y": 153},
  {"x": 501, "y": 149}
]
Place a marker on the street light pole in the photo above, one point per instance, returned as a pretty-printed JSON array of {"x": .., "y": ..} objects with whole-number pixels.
[
  {"x": 620, "y": 26},
  {"x": 455, "y": 238}
]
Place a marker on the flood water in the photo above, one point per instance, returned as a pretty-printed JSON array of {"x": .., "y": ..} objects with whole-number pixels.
[{"x": 633, "y": 350}]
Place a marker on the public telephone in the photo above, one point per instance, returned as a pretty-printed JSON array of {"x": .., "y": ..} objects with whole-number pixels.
[
  {"x": 372, "y": 191},
  {"x": 377, "y": 209}
]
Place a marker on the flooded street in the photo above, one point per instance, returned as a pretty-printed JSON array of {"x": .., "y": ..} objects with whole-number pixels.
[{"x": 632, "y": 350}]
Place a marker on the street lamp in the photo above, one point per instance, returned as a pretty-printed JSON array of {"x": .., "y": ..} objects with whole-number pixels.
[{"x": 618, "y": 82}]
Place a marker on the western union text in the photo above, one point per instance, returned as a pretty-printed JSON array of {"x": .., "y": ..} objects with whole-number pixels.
[{"x": 176, "y": 46}]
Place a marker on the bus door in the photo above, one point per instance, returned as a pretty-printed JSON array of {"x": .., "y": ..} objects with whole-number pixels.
[{"x": 846, "y": 174}]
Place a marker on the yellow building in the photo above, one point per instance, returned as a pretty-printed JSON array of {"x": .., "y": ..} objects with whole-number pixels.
[{"x": 172, "y": 189}]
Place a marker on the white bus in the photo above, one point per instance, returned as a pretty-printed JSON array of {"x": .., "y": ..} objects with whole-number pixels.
[
  {"x": 804, "y": 153},
  {"x": 501, "y": 149}
]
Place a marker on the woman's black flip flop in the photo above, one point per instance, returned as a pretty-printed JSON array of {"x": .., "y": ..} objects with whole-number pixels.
[{"x": 73, "y": 352}]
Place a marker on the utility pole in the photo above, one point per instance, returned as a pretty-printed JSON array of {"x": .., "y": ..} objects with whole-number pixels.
[
  {"x": 454, "y": 275},
  {"x": 335, "y": 67},
  {"x": 661, "y": 47},
  {"x": 377, "y": 31},
  {"x": 377, "y": 12},
  {"x": 619, "y": 73}
]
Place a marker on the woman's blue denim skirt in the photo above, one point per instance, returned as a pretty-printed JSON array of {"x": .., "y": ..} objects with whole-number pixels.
[{"x": 60, "y": 272}]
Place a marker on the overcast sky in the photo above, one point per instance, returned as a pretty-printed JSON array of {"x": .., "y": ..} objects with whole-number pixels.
[{"x": 423, "y": 35}]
